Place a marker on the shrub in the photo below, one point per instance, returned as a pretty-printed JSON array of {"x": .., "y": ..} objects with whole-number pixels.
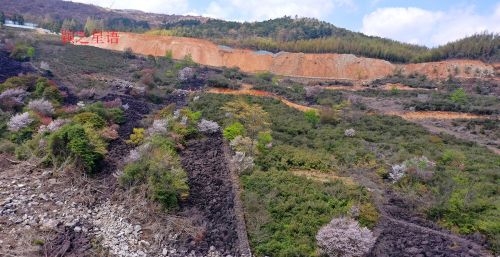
[
  {"x": 71, "y": 141},
  {"x": 234, "y": 130},
  {"x": 156, "y": 164},
  {"x": 368, "y": 215},
  {"x": 208, "y": 126},
  {"x": 137, "y": 137},
  {"x": 312, "y": 117},
  {"x": 418, "y": 167},
  {"x": 128, "y": 53},
  {"x": 221, "y": 82},
  {"x": 91, "y": 119},
  {"x": 284, "y": 212},
  {"x": 243, "y": 144},
  {"x": 350, "y": 132},
  {"x": 329, "y": 116},
  {"x": 19, "y": 121},
  {"x": 453, "y": 158},
  {"x": 242, "y": 162},
  {"x": 233, "y": 73},
  {"x": 12, "y": 98},
  {"x": 41, "y": 106},
  {"x": 169, "y": 56},
  {"x": 158, "y": 127},
  {"x": 397, "y": 172},
  {"x": 253, "y": 116},
  {"x": 18, "y": 93},
  {"x": 343, "y": 237},
  {"x": 187, "y": 61},
  {"x": 116, "y": 115},
  {"x": 48, "y": 90},
  {"x": 459, "y": 96},
  {"x": 266, "y": 75},
  {"x": 22, "y": 52},
  {"x": 264, "y": 141},
  {"x": 186, "y": 74},
  {"x": 7, "y": 146}
]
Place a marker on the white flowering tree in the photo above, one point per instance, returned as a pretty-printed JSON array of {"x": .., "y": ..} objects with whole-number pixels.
[
  {"x": 350, "y": 132},
  {"x": 158, "y": 127},
  {"x": 41, "y": 106},
  {"x": 208, "y": 126},
  {"x": 343, "y": 237},
  {"x": 19, "y": 121}
]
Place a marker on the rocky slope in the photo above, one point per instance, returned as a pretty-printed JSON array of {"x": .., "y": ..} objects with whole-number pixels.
[{"x": 327, "y": 66}]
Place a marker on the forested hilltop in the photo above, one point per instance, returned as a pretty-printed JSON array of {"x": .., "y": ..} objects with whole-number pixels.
[{"x": 313, "y": 36}]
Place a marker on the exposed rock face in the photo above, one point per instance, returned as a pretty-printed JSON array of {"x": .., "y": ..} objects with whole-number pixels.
[{"x": 337, "y": 66}]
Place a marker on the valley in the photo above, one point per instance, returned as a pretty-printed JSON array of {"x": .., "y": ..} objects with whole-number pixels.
[{"x": 172, "y": 144}]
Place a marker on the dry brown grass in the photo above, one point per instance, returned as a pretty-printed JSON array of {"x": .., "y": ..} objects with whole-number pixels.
[{"x": 322, "y": 176}]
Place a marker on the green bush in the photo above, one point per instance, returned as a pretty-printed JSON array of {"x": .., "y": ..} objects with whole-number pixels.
[
  {"x": 266, "y": 75},
  {"x": 22, "y": 52},
  {"x": 284, "y": 157},
  {"x": 459, "y": 96},
  {"x": 116, "y": 115},
  {"x": 234, "y": 130},
  {"x": 284, "y": 212},
  {"x": 90, "y": 119},
  {"x": 137, "y": 137},
  {"x": 368, "y": 215},
  {"x": 161, "y": 171},
  {"x": 263, "y": 139},
  {"x": 221, "y": 82},
  {"x": 312, "y": 117},
  {"x": 71, "y": 141},
  {"x": 7, "y": 146},
  {"x": 48, "y": 90},
  {"x": 187, "y": 61},
  {"x": 233, "y": 73}
]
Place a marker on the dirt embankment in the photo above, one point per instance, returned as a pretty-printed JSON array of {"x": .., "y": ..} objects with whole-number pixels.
[{"x": 326, "y": 66}]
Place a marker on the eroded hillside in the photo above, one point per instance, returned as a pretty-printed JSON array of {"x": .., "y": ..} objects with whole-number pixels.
[{"x": 333, "y": 66}]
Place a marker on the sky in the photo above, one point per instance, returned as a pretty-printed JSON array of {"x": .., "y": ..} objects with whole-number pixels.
[{"x": 423, "y": 22}]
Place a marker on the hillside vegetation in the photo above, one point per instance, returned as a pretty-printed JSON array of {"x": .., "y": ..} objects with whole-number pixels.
[{"x": 314, "y": 36}]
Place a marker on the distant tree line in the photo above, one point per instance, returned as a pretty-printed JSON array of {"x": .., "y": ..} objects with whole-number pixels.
[
  {"x": 2, "y": 18},
  {"x": 314, "y": 36},
  {"x": 94, "y": 24},
  {"x": 16, "y": 18}
]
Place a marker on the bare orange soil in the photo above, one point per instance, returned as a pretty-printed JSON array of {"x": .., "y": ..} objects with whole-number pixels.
[
  {"x": 386, "y": 87},
  {"x": 436, "y": 115},
  {"x": 327, "y": 66},
  {"x": 259, "y": 93}
]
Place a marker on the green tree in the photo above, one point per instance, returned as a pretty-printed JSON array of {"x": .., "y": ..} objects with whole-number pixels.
[
  {"x": 312, "y": 117},
  {"x": 92, "y": 25},
  {"x": 2, "y": 18},
  {"x": 169, "y": 56},
  {"x": 71, "y": 25},
  {"x": 252, "y": 116},
  {"x": 459, "y": 96},
  {"x": 234, "y": 130}
]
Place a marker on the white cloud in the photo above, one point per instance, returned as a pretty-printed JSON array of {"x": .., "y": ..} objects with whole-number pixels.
[
  {"x": 253, "y": 10},
  {"x": 155, "y": 6},
  {"x": 431, "y": 28}
]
